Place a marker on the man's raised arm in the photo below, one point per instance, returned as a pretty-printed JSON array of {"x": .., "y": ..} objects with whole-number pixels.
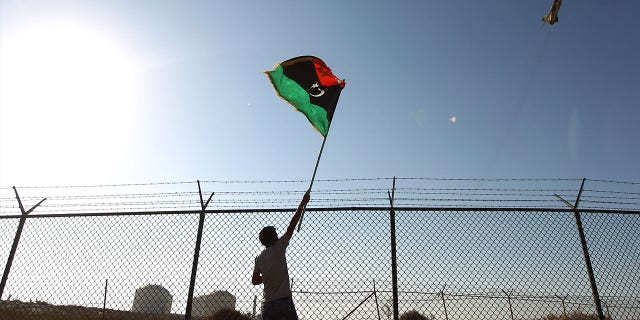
[{"x": 296, "y": 216}]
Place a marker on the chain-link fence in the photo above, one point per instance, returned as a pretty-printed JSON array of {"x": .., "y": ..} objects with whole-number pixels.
[{"x": 451, "y": 262}]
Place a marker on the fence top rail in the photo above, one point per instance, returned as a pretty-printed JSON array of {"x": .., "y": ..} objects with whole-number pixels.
[{"x": 333, "y": 209}]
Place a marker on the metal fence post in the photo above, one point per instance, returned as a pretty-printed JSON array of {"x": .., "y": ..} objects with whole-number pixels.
[
  {"x": 508, "y": 294},
  {"x": 375, "y": 296},
  {"x": 16, "y": 240},
  {"x": 444, "y": 304},
  {"x": 358, "y": 306},
  {"x": 104, "y": 301},
  {"x": 196, "y": 253},
  {"x": 585, "y": 251},
  {"x": 255, "y": 302},
  {"x": 394, "y": 265},
  {"x": 564, "y": 307}
]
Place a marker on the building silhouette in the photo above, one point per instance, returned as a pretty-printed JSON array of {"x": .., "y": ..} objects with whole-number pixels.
[
  {"x": 207, "y": 305},
  {"x": 152, "y": 299}
]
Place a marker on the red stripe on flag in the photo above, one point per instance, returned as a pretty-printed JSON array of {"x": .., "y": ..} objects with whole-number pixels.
[{"x": 326, "y": 77}]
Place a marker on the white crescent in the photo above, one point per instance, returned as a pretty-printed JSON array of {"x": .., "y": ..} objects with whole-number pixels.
[
  {"x": 317, "y": 95},
  {"x": 315, "y": 85}
]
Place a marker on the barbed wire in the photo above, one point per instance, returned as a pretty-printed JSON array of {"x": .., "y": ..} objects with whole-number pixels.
[
  {"x": 614, "y": 181},
  {"x": 535, "y": 193},
  {"x": 328, "y": 180},
  {"x": 321, "y": 192},
  {"x": 624, "y": 302}
]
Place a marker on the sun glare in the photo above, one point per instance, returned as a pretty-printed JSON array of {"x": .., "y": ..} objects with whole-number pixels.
[{"x": 67, "y": 91}]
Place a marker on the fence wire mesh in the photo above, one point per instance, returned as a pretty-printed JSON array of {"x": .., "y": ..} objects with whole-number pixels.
[{"x": 452, "y": 263}]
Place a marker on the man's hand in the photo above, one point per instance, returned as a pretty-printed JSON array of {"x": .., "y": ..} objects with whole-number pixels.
[
  {"x": 296, "y": 216},
  {"x": 305, "y": 198}
]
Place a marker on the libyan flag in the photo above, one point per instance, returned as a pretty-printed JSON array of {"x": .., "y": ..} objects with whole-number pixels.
[{"x": 308, "y": 84}]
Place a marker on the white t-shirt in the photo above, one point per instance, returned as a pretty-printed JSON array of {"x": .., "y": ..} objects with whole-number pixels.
[{"x": 272, "y": 264}]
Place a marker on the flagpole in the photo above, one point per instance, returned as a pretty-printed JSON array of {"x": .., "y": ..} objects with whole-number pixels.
[{"x": 313, "y": 177}]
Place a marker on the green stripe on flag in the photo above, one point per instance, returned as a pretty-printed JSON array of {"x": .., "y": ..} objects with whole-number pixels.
[{"x": 293, "y": 93}]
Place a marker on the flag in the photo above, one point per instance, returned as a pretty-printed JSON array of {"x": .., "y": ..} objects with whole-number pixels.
[{"x": 309, "y": 86}]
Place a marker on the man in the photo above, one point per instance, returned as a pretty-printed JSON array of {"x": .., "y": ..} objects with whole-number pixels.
[{"x": 271, "y": 270}]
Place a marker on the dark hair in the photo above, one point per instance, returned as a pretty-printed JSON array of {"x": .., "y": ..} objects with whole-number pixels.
[{"x": 268, "y": 236}]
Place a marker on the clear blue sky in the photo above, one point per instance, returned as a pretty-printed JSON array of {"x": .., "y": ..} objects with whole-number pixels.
[{"x": 140, "y": 91}]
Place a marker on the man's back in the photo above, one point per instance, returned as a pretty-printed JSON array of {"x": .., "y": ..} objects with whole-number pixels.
[
  {"x": 271, "y": 270},
  {"x": 272, "y": 264}
]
